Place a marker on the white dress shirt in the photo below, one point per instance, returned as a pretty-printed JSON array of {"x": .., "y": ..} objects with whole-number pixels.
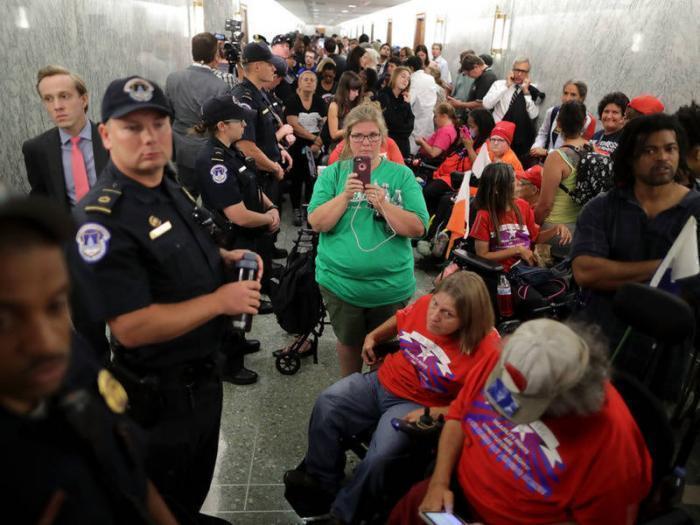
[
  {"x": 423, "y": 98},
  {"x": 498, "y": 99},
  {"x": 444, "y": 69}
]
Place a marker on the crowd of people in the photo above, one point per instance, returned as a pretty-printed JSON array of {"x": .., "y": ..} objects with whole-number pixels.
[{"x": 178, "y": 185}]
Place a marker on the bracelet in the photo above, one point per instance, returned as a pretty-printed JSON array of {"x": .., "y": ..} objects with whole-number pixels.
[{"x": 273, "y": 207}]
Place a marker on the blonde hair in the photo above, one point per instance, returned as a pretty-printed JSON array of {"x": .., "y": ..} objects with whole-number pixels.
[
  {"x": 473, "y": 305},
  {"x": 395, "y": 75},
  {"x": 445, "y": 108},
  {"x": 365, "y": 112}
]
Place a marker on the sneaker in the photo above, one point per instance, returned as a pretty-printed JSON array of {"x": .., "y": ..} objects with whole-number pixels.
[
  {"x": 423, "y": 248},
  {"x": 296, "y": 217}
]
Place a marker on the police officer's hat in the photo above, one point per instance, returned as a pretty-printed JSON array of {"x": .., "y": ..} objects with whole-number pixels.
[
  {"x": 40, "y": 213},
  {"x": 256, "y": 52},
  {"x": 280, "y": 65},
  {"x": 284, "y": 39},
  {"x": 259, "y": 38},
  {"x": 126, "y": 95},
  {"x": 220, "y": 109}
]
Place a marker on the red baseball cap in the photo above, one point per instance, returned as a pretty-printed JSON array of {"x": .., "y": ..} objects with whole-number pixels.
[
  {"x": 504, "y": 129},
  {"x": 647, "y": 104},
  {"x": 533, "y": 175}
]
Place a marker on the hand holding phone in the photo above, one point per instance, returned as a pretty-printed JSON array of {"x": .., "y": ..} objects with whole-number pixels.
[
  {"x": 465, "y": 132},
  {"x": 362, "y": 166}
]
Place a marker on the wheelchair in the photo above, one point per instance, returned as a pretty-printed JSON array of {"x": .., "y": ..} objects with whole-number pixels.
[
  {"x": 558, "y": 306},
  {"x": 669, "y": 434},
  {"x": 312, "y": 503}
]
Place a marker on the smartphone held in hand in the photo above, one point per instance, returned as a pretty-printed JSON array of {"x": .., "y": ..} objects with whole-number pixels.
[{"x": 362, "y": 165}]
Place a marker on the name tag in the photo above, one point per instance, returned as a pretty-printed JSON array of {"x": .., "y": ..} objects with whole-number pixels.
[
  {"x": 242, "y": 169},
  {"x": 160, "y": 230},
  {"x": 266, "y": 110}
]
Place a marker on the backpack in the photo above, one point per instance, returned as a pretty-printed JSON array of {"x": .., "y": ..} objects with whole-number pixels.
[
  {"x": 594, "y": 174},
  {"x": 297, "y": 300}
]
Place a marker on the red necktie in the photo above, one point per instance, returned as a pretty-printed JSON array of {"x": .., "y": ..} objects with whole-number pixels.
[{"x": 80, "y": 178}]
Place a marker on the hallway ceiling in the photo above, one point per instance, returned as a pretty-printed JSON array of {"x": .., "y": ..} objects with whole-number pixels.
[{"x": 334, "y": 12}]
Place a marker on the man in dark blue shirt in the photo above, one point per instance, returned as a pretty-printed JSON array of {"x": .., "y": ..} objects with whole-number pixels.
[{"x": 622, "y": 235}]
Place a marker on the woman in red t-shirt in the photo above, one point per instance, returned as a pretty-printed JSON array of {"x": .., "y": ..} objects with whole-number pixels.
[
  {"x": 505, "y": 229},
  {"x": 442, "y": 337}
]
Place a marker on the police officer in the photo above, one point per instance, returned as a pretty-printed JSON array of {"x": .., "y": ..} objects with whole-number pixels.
[
  {"x": 229, "y": 187},
  {"x": 282, "y": 47},
  {"x": 67, "y": 453},
  {"x": 259, "y": 139},
  {"x": 161, "y": 280}
]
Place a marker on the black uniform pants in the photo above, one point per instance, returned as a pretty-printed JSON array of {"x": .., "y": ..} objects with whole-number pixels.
[
  {"x": 299, "y": 176},
  {"x": 183, "y": 440}
]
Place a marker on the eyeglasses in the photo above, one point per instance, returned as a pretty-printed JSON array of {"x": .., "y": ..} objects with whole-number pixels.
[
  {"x": 523, "y": 71},
  {"x": 359, "y": 137},
  {"x": 497, "y": 140}
]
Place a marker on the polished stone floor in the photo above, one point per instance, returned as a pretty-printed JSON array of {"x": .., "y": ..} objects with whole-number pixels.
[{"x": 263, "y": 431}]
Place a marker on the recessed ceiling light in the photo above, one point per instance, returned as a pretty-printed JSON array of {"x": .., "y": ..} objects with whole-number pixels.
[
  {"x": 351, "y": 6},
  {"x": 344, "y": 11}
]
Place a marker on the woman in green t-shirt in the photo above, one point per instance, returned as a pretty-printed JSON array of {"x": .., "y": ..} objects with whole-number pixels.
[{"x": 365, "y": 260}]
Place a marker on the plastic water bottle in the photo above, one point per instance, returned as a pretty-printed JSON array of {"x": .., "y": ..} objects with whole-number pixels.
[{"x": 504, "y": 297}]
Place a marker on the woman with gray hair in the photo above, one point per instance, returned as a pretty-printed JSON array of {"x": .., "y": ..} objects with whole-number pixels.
[
  {"x": 365, "y": 264},
  {"x": 538, "y": 436}
]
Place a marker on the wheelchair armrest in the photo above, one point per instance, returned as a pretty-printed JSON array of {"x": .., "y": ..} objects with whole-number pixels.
[{"x": 467, "y": 260}]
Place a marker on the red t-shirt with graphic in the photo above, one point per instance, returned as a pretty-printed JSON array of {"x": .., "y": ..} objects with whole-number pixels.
[
  {"x": 583, "y": 469},
  {"x": 510, "y": 232},
  {"x": 429, "y": 369}
]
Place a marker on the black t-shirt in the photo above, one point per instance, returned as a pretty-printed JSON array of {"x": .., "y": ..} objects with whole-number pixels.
[
  {"x": 607, "y": 143},
  {"x": 481, "y": 86},
  {"x": 310, "y": 119},
  {"x": 326, "y": 94}
]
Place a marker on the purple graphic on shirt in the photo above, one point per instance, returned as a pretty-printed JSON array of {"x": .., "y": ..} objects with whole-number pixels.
[
  {"x": 430, "y": 361},
  {"x": 511, "y": 235},
  {"x": 528, "y": 452}
]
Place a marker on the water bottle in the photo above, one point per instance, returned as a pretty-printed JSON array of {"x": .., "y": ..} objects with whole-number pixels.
[
  {"x": 504, "y": 297},
  {"x": 246, "y": 270}
]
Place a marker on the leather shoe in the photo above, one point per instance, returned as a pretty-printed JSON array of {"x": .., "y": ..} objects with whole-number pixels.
[
  {"x": 279, "y": 253},
  {"x": 242, "y": 376},
  {"x": 250, "y": 346},
  {"x": 265, "y": 309}
]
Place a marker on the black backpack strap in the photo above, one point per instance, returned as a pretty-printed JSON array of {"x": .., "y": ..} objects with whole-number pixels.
[{"x": 552, "y": 120}]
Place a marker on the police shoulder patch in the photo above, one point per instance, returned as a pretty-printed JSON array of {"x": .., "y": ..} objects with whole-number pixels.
[
  {"x": 219, "y": 173},
  {"x": 93, "y": 241}
]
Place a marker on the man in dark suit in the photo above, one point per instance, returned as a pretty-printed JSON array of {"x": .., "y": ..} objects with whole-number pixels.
[{"x": 64, "y": 162}]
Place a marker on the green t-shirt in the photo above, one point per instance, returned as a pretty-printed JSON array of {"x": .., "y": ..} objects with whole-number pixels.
[{"x": 355, "y": 261}]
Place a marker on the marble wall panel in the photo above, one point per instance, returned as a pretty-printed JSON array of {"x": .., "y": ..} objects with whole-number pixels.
[
  {"x": 98, "y": 39},
  {"x": 635, "y": 46}
]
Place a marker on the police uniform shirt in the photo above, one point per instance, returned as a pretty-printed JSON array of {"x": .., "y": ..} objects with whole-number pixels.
[
  {"x": 44, "y": 457},
  {"x": 261, "y": 127},
  {"x": 140, "y": 246},
  {"x": 217, "y": 176}
]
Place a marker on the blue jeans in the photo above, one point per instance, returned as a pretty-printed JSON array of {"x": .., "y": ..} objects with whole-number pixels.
[{"x": 353, "y": 405}]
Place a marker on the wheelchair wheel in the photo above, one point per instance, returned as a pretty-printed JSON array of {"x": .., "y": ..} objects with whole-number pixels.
[{"x": 287, "y": 364}]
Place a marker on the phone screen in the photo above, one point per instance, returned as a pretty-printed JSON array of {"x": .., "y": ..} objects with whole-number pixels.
[
  {"x": 441, "y": 518},
  {"x": 362, "y": 165}
]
